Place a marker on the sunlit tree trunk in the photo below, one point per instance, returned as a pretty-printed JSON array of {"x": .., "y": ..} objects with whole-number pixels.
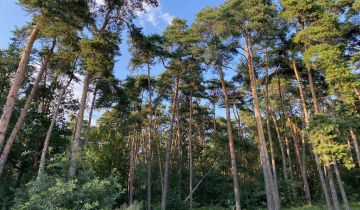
[
  {"x": 88, "y": 134},
  {"x": 18, "y": 80},
  {"x": 306, "y": 119},
  {"x": 79, "y": 123},
  {"x": 231, "y": 141},
  {"x": 272, "y": 155},
  {"x": 356, "y": 145},
  {"x": 332, "y": 187},
  {"x": 341, "y": 186},
  {"x": 272, "y": 201},
  {"x": 168, "y": 147},
  {"x": 25, "y": 109},
  {"x": 282, "y": 150},
  {"x": 330, "y": 177}
]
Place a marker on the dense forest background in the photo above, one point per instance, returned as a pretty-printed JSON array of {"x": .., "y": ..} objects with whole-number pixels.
[{"x": 256, "y": 106}]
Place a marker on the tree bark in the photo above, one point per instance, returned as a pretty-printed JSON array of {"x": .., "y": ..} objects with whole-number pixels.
[
  {"x": 190, "y": 154},
  {"x": 299, "y": 160},
  {"x": 79, "y": 123},
  {"x": 51, "y": 127},
  {"x": 231, "y": 141},
  {"x": 356, "y": 145},
  {"x": 87, "y": 140},
  {"x": 332, "y": 188},
  {"x": 272, "y": 201},
  {"x": 282, "y": 150},
  {"x": 306, "y": 118},
  {"x": 168, "y": 147},
  {"x": 18, "y": 80},
  {"x": 25, "y": 109},
  {"x": 341, "y": 186},
  {"x": 149, "y": 157},
  {"x": 272, "y": 155},
  {"x": 132, "y": 171}
]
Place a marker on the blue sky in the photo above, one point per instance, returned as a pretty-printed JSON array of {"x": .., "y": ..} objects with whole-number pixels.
[{"x": 154, "y": 20}]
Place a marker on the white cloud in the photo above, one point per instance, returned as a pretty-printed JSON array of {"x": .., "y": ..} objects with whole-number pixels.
[
  {"x": 155, "y": 16},
  {"x": 100, "y": 2}
]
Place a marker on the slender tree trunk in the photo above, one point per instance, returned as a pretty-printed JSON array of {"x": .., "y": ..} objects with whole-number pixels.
[
  {"x": 179, "y": 146},
  {"x": 25, "y": 109},
  {"x": 168, "y": 147},
  {"x": 237, "y": 118},
  {"x": 332, "y": 188},
  {"x": 298, "y": 157},
  {"x": 341, "y": 186},
  {"x": 282, "y": 150},
  {"x": 317, "y": 111},
  {"x": 51, "y": 127},
  {"x": 231, "y": 141},
  {"x": 190, "y": 154},
  {"x": 149, "y": 157},
  {"x": 132, "y": 171},
  {"x": 272, "y": 201},
  {"x": 18, "y": 80},
  {"x": 357, "y": 92},
  {"x": 356, "y": 145},
  {"x": 87, "y": 140},
  {"x": 306, "y": 118},
  {"x": 272, "y": 155},
  {"x": 79, "y": 123}
]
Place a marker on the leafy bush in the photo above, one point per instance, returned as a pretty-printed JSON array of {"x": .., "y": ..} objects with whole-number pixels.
[{"x": 57, "y": 193}]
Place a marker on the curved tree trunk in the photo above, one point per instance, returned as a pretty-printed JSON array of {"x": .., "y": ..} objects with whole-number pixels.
[
  {"x": 18, "y": 80},
  {"x": 79, "y": 122},
  {"x": 87, "y": 139},
  {"x": 51, "y": 127},
  {"x": 25, "y": 109}
]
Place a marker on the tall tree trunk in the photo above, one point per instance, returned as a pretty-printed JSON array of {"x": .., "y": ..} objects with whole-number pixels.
[
  {"x": 332, "y": 187},
  {"x": 51, "y": 127},
  {"x": 306, "y": 118},
  {"x": 149, "y": 157},
  {"x": 341, "y": 186},
  {"x": 25, "y": 109},
  {"x": 190, "y": 154},
  {"x": 272, "y": 155},
  {"x": 179, "y": 146},
  {"x": 18, "y": 80},
  {"x": 282, "y": 150},
  {"x": 299, "y": 160},
  {"x": 79, "y": 123},
  {"x": 231, "y": 141},
  {"x": 272, "y": 201},
  {"x": 356, "y": 145},
  {"x": 330, "y": 177},
  {"x": 237, "y": 118},
  {"x": 132, "y": 170},
  {"x": 87, "y": 139},
  {"x": 168, "y": 147}
]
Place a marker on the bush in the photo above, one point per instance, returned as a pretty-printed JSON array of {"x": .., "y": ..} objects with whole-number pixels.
[{"x": 56, "y": 193}]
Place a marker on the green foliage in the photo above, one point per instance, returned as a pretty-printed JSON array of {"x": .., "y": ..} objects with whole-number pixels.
[{"x": 324, "y": 133}]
